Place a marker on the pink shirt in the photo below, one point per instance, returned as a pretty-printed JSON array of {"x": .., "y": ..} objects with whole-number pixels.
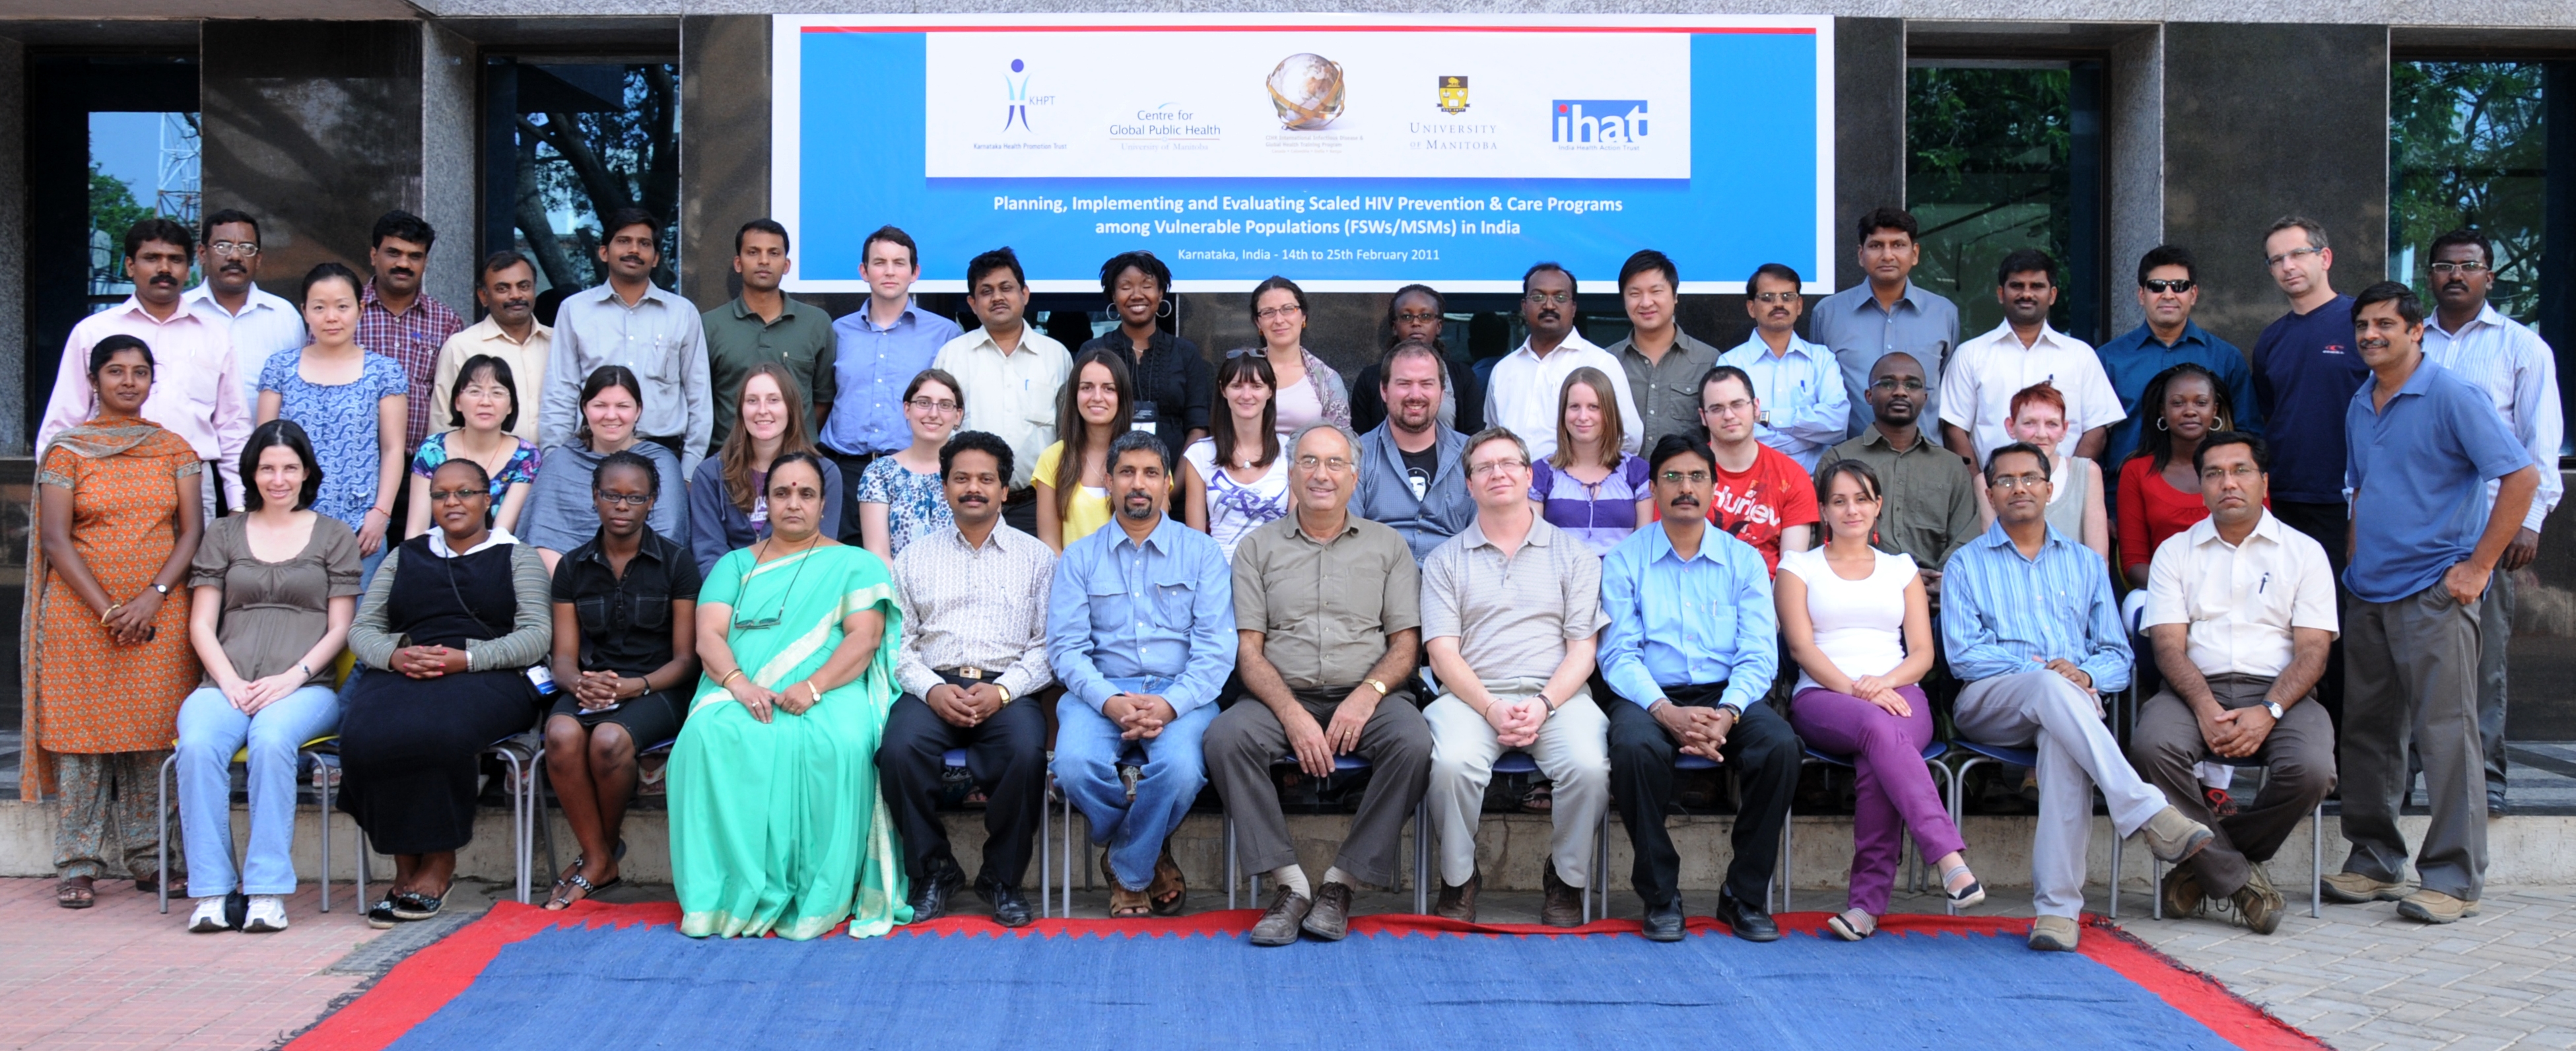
[{"x": 194, "y": 391}]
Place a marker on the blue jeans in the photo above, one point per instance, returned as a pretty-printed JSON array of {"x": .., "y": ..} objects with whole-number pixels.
[
  {"x": 1087, "y": 751},
  {"x": 367, "y": 563},
  {"x": 210, "y": 731}
]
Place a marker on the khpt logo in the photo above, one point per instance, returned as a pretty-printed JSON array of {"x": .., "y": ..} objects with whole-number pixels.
[{"x": 1598, "y": 121}]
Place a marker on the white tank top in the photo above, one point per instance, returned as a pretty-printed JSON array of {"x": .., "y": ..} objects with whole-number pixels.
[{"x": 1860, "y": 624}]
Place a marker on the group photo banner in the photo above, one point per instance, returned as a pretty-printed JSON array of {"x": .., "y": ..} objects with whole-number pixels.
[{"x": 1353, "y": 153}]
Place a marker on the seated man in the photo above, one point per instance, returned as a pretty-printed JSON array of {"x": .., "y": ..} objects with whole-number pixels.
[
  {"x": 2241, "y": 609},
  {"x": 1511, "y": 607},
  {"x": 974, "y": 602},
  {"x": 1692, "y": 644},
  {"x": 1140, "y": 628},
  {"x": 1328, "y": 610},
  {"x": 2031, "y": 631}
]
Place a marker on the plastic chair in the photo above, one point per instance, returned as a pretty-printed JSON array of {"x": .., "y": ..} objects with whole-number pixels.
[
  {"x": 305, "y": 753},
  {"x": 2316, "y": 855},
  {"x": 1343, "y": 764},
  {"x": 1932, "y": 754}
]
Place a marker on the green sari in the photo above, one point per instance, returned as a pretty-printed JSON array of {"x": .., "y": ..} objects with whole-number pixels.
[{"x": 778, "y": 828}]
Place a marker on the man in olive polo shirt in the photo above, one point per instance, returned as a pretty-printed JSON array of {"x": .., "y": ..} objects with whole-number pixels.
[
  {"x": 1931, "y": 494},
  {"x": 763, "y": 326},
  {"x": 1663, "y": 364}
]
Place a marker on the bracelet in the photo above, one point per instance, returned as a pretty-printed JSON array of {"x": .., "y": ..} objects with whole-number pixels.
[
  {"x": 729, "y": 677},
  {"x": 389, "y": 516}
]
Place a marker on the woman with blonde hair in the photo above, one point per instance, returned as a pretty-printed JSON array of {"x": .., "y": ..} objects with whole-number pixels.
[{"x": 1588, "y": 487}]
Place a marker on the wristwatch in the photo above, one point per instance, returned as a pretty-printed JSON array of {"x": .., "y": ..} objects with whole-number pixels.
[
  {"x": 164, "y": 589},
  {"x": 1005, "y": 691},
  {"x": 2273, "y": 707},
  {"x": 1376, "y": 685}
]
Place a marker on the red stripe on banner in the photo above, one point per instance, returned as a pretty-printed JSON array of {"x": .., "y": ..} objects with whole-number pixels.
[
  {"x": 2232, "y": 1017},
  {"x": 1733, "y": 30}
]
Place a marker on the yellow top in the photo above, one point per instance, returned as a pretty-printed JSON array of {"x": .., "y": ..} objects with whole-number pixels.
[{"x": 1090, "y": 505}]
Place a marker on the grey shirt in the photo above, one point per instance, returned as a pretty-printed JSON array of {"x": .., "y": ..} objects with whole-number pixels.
[
  {"x": 1325, "y": 608},
  {"x": 1512, "y": 616},
  {"x": 560, "y": 515},
  {"x": 1667, "y": 391},
  {"x": 1860, "y": 332}
]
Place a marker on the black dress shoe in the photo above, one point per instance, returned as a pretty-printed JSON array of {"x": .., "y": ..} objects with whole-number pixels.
[
  {"x": 931, "y": 902},
  {"x": 1748, "y": 921},
  {"x": 1563, "y": 905},
  {"x": 1665, "y": 924},
  {"x": 1010, "y": 908}
]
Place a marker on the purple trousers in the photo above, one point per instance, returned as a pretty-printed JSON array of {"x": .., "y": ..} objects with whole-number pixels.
[{"x": 1896, "y": 792}]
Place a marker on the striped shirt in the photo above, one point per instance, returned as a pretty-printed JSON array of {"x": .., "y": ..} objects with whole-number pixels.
[
  {"x": 412, "y": 338},
  {"x": 2508, "y": 360},
  {"x": 2002, "y": 613},
  {"x": 1512, "y": 615},
  {"x": 970, "y": 607}
]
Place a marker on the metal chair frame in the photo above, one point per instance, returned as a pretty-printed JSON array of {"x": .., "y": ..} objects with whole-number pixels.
[{"x": 309, "y": 751}]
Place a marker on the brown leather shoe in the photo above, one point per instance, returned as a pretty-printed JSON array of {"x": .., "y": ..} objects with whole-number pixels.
[
  {"x": 1564, "y": 907},
  {"x": 1331, "y": 918},
  {"x": 1459, "y": 902},
  {"x": 1279, "y": 924}
]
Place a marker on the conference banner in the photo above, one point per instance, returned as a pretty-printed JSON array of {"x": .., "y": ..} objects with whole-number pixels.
[{"x": 1353, "y": 153}]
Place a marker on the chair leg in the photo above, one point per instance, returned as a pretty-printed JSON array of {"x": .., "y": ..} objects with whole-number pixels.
[
  {"x": 1421, "y": 858},
  {"x": 1230, "y": 866},
  {"x": 1066, "y": 856},
  {"x": 1788, "y": 861},
  {"x": 2115, "y": 869},
  {"x": 1601, "y": 862},
  {"x": 2317, "y": 863},
  {"x": 322, "y": 788},
  {"x": 1046, "y": 853},
  {"x": 162, "y": 815}
]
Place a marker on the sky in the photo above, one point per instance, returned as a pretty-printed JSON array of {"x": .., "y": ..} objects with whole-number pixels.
[{"x": 128, "y": 146}]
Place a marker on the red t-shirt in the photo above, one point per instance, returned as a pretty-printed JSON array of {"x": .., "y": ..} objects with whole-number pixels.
[
  {"x": 2152, "y": 510},
  {"x": 1772, "y": 495}
]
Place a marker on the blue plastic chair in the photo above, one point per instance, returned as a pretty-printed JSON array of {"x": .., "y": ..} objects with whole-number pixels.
[
  {"x": 1932, "y": 754},
  {"x": 1343, "y": 764}
]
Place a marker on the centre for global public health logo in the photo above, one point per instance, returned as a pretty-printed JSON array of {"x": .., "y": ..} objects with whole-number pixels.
[{"x": 1597, "y": 122}]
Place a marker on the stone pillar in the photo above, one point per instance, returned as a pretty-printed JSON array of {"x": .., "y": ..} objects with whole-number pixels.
[
  {"x": 2134, "y": 173},
  {"x": 1869, "y": 132},
  {"x": 724, "y": 146},
  {"x": 450, "y": 117},
  {"x": 15, "y": 427}
]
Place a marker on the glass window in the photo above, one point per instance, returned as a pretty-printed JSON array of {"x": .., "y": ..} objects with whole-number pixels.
[
  {"x": 2467, "y": 148},
  {"x": 140, "y": 165},
  {"x": 1990, "y": 169},
  {"x": 592, "y": 138}
]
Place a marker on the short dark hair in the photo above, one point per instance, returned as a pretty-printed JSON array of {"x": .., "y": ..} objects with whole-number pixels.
[
  {"x": 621, "y": 218},
  {"x": 2024, "y": 448},
  {"x": 2023, "y": 261},
  {"x": 1439, "y": 304},
  {"x": 1274, "y": 282},
  {"x": 107, "y": 349},
  {"x": 221, "y": 216},
  {"x": 2167, "y": 255},
  {"x": 2315, "y": 230},
  {"x": 291, "y": 435},
  {"x": 1885, "y": 218},
  {"x": 1678, "y": 444},
  {"x": 1646, "y": 259},
  {"x": 156, "y": 228},
  {"x": 482, "y": 478},
  {"x": 500, "y": 261},
  {"x": 1826, "y": 474},
  {"x": 2463, "y": 236},
  {"x": 1782, "y": 271},
  {"x": 764, "y": 225},
  {"x": 897, "y": 236},
  {"x": 2408, "y": 307},
  {"x": 1543, "y": 267},
  {"x": 629, "y": 458},
  {"x": 500, "y": 370},
  {"x": 2262, "y": 452},
  {"x": 404, "y": 226},
  {"x": 986, "y": 262},
  {"x": 1141, "y": 260},
  {"x": 1130, "y": 441},
  {"x": 1723, "y": 372},
  {"x": 326, "y": 271},
  {"x": 985, "y": 442},
  {"x": 1410, "y": 348}
]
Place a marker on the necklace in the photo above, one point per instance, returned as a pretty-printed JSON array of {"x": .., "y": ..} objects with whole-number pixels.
[{"x": 780, "y": 614}]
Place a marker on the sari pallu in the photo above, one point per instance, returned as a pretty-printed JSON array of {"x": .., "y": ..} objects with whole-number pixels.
[{"x": 779, "y": 828}]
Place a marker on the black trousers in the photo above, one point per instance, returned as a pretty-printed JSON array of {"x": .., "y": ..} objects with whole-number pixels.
[
  {"x": 1007, "y": 758},
  {"x": 847, "y": 524},
  {"x": 2329, "y": 524},
  {"x": 1764, "y": 753}
]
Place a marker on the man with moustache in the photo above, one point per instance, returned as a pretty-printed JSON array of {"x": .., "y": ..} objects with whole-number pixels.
[
  {"x": 2168, "y": 289},
  {"x": 1140, "y": 629},
  {"x": 877, "y": 350},
  {"x": 1886, "y": 313},
  {"x": 256, "y": 322},
  {"x": 400, "y": 320},
  {"x": 2024, "y": 351},
  {"x": 764, "y": 327},
  {"x": 630, "y": 321},
  {"x": 2425, "y": 443},
  {"x": 974, "y": 604},
  {"x": 1927, "y": 494},
  {"x": 1412, "y": 477},
  {"x": 1521, "y": 396},
  {"x": 2519, "y": 374},
  {"x": 1663, "y": 362},
  {"x": 1800, "y": 384},
  {"x": 1010, "y": 371},
  {"x": 506, "y": 285}
]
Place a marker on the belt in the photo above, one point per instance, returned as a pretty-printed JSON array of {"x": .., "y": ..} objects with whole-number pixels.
[{"x": 970, "y": 674}]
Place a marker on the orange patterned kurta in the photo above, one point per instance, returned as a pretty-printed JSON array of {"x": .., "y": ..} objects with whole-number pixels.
[{"x": 85, "y": 693}]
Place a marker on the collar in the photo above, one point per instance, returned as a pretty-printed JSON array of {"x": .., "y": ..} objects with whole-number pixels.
[
  {"x": 1798, "y": 347},
  {"x": 1659, "y": 545},
  {"x": 1003, "y": 538},
  {"x": 257, "y": 299},
  {"x": 1682, "y": 341},
  {"x": 1871, "y": 435},
  {"x": 1573, "y": 341},
  {"x": 2421, "y": 382},
  {"x": 438, "y": 543},
  {"x": 1913, "y": 296},
  {"x": 490, "y": 329},
  {"x": 605, "y": 292},
  {"x": 911, "y": 315},
  {"x": 982, "y": 338},
  {"x": 2145, "y": 336},
  {"x": 2266, "y": 528},
  {"x": 787, "y": 312},
  {"x": 1289, "y": 525},
  {"x": 134, "y": 305},
  {"x": 1994, "y": 536},
  {"x": 647, "y": 545},
  {"x": 1160, "y": 539},
  {"x": 2487, "y": 317},
  {"x": 367, "y": 297},
  {"x": 1541, "y": 534},
  {"x": 2003, "y": 335}
]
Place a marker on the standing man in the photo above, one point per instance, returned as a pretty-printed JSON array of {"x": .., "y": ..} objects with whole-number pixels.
[
  {"x": 1413, "y": 472},
  {"x": 1011, "y": 373},
  {"x": 1328, "y": 617},
  {"x": 257, "y": 323},
  {"x": 2305, "y": 373},
  {"x": 506, "y": 285},
  {"x": 1664, "y": 363},
  {"x": 1691, "y": 647},
  {"x": 1928, "y": 494},
  {"x": 400, "y": 320},
  {"x": 1978, "y": 388},
  {"x": 2168, "y": 289},
  {"x": 1512, "y": 611},
  {"x": 1804, "y": 406},
  {"x": 2030, "y": 628},
  {"x": 764, "y": 327},
  {"x": 194, "y": 393},
  {"x": 1140, "y": 628},
  {"x": 2519, "y": 374},
  {"x": 1522, "y": 394},
  {"x": 1760, "y": 495},
  {"x": 1886, "y": 313},
  {"x": 974, "y": 602},
  {"x": 629, "y": 321},
  {"x": 2424, "y": 444},
  {"x": 878, "y": 349}
]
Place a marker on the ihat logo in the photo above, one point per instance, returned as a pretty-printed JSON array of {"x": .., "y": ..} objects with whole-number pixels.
[{"x": 1598, "y": 121}]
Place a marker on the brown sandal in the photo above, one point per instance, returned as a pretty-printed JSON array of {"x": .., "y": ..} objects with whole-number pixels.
[
  {"x": 1170, "y": 893},
  {"x": 76, "y": 892},
  {"x": 1124, "y": 904}
]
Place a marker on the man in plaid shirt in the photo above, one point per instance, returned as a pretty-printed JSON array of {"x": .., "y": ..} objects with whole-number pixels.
[{"x": 398, "y": 319}]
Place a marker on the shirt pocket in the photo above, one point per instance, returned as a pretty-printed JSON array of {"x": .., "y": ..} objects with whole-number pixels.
[
  {"x": 652, "y": 612},
  {"x": 1174, "y": 599},
  {"x": 593, "y": 614},
  {"x": 1108, "y": 600}
]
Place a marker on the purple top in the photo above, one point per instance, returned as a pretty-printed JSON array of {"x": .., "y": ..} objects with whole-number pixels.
[{"x": 1602, "y": 515}]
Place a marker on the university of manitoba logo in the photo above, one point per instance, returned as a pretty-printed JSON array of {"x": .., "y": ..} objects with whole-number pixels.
[
  {"x": 1597, "y": 122},
  {"x": 1453, "y": 95},
  {"x": 1016, "y": 89}
]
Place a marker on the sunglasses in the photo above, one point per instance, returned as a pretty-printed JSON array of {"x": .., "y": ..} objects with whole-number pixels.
[{"x": 2176, "y": 286}]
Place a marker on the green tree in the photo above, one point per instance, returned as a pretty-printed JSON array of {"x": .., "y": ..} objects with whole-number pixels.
[
  {"x": 596, "y": 163},
  {"x": 112, "y": 207},
  {"x": 2467, "y": 149},
  {"x": 1987, "y": 172}
]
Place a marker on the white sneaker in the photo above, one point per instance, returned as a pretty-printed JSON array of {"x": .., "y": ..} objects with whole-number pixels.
[
  {"x": 267, "y": 915},
  {"x": 209, "y": 917}
]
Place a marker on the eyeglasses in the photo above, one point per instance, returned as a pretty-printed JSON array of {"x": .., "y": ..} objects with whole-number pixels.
[
  {"x": 1417, "y": 317},
  {"x": 1335, "y": 464},
  {"x": 1488, "y": 467},
  {"x": 940, "y": 406},
  {"x": 1275, "y": 313},
  {"x": 1727, "y": 408},
  {"x": 621, "y": 499},
  {"x": 2161, "y": 286},
  {"x": 1678, "y": 477},
  {"x": 2275, "y": 261},
  {"x": 2470, "y": 267},
  {"x": 1248, "y": 352},
  {"x": 440, "y": 496},
  {"x": 484, "y": 390},
  {"x": 2020, "y": 481},
  {"x": 1542, "y": 299},
  {"x": 235, "y": 249},
  {"x": 1777, "y": 297},
  {"x": 1890, "y": 383}
]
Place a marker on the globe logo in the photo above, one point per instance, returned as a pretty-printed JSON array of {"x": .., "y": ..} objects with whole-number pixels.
[{"x": 1306, "y": 89}]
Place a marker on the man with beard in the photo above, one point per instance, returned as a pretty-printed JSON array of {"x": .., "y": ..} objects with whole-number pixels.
[
  {"x": 2519, "y": 374},
  {"x": 1411, "y": 477},
  {"x": 1928, "y": 496},
  {"x": 256, "y": 322},
  {"x": 764, "y": 327},
  {"x": 1522, "y": 394},
  {"x": 1977, "y": 390},
  {"x": 1760, "y": 495},
  {"x": 631, "y": 322},
  {"x": 1663, "y": 362},
  {"x": 507, "y": 287},
  {"x": 400, "y": 320},
  {"x": 1800, "y": 383},
  {"x": 1140, "y": 629},
  {"x": 192, "y": 362},
  {"x": 1419, "y": 312}
]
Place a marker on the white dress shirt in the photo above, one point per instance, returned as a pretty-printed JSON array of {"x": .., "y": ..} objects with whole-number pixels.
[
  {"x": 2241, "y": 601},
  {"x": 267, "y": 324},
  {"x": 1803, "y": 401},
  {"x": 1009, "y": 395},
  {"x": 194, "y": 392},
  {"x": 1523, "y": 393},
  {"x": 1985, "y": 373},
  {"x": 2510, "y": 362},
  {"x": 527, "y": 363},
  {"x": 660, "y": 337}
]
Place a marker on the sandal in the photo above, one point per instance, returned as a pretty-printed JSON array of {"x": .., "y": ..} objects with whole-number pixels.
[
  {"x": 76, "y": 892},
  {"x": 572, "y": 878},
  {"x": 1539, "y": 799},
  {"x": 412, "y": 906},
  {"x": 1170, "y": 893},
  {"x": 1846, "y": 930},
  {"x": 1967, "y": 897},
  {"x": 1124, "y": 904}
]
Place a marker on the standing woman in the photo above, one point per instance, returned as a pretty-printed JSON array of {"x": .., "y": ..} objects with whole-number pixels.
[
  {"x": 1175, "y": 392},
  {"x": 107, "y": 660},
  {"x": 1588, "y": 487},
  {"x": 482, "y": 410},
  {"x": 2076, "y": 509},
  {"x": 1859, "y": 624},
  {"x": 626, "y": 639},
  {"x": 727, "y": 508},
  {"x": 560, "y": 513},
  {"x": 275, "y": 591},
  {"x": 351, "y": 396},
  {"x": 797, "y": 634},
  {"x": 448, "y": 632},
  {"x": 1095, "y": 407},
  {"x": 2159, "y": 487},
  {"x": 1250, "y": 488},
  {"x": 1309, "y": 391},
  {"x": 901, "y": 496}
]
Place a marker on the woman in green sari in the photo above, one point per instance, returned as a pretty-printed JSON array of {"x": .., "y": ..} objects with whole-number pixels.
[{"x": 776, "y": 822}]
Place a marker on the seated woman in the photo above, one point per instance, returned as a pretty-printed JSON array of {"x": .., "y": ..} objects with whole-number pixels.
[
  {"x": 727, "y": 506},
  {"x": 797, "y": 634},
  {"x": 1859, "y": 625},
  {"x": 626, "y": 637},
  {"x": 1588, "y": 487},
  {"x": 1072, "y": 476},
  {"x": 481, "y": 413},
  {"x": 2076, "y": 506},
  {"x": 1250, "y": 488},
  {"x": 901, "y": 496},
  {"x": 560, "y": 515},
  {"x": 276, "y": 590},
  {"x": 447, "y": 634}
]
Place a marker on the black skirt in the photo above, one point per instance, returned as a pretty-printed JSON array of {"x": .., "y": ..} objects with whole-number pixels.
[{"x": 409, "y": 748}]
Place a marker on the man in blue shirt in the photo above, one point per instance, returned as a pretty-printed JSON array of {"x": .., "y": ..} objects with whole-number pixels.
[
  {"x": 881, "y": 347},
  {"x": 1140, "y": 629},
  {"x": 2304, "y": 374},
  {"x": 2029, "y": 625},
  {"x": 1886, "y": 313},
  {"x": 1800, "y": 384},
  {"x": 2423, "y": 444},
  {"x": 1691, "y": 647},
  {"x": 2168, "y": 289},
  {"x": 1413, "y": 474}
]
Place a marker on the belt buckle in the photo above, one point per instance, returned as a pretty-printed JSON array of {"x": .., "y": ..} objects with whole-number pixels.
[{"x": 971, "y": 673}]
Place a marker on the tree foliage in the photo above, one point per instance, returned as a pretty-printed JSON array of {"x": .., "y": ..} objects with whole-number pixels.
[
  {"x": 2467, "y": 149},
  {"x": 1988, "y": 171},
  {"x": 113, "y": 210},
  {"x": 592, "y": 164}
]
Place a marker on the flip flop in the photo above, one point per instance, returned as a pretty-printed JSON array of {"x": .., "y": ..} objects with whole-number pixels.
[{"x": 76, "y": 892}]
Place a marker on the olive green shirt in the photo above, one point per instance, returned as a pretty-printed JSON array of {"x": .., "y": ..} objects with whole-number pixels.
[
  {"x": 1928, "y": 496},
  {"x": 1325, "y": 609},
  {"x": 737, "y": 340},
  {"x": 1667, "y": 391}
]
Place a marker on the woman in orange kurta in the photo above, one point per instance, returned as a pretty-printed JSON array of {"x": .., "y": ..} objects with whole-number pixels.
[{"x": 107, "y": 658}]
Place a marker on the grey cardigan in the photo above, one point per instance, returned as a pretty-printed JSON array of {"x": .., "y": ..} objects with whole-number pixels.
[{"x": 532, "y": 630}]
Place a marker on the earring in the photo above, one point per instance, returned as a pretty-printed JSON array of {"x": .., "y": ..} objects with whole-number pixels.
[
  {"x": 2160, "y": 424},
  {"x": 1170, "y": 307}
]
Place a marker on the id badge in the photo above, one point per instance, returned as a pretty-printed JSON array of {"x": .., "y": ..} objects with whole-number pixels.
[{"x": 541, "y": 678}]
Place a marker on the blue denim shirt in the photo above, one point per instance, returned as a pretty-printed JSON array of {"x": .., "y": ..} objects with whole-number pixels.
[{"x": 1119, "y": 610}]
